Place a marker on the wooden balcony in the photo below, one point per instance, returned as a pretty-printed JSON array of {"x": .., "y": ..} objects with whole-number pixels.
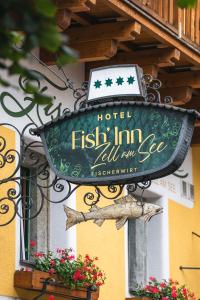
[{"x": 185, "y": 23}]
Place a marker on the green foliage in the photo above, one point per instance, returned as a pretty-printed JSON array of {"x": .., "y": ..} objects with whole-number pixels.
[
  {"x": 186, "y": 3},
  {"x": 164, "y": 290},
  {"x": 25, "y": 25}
]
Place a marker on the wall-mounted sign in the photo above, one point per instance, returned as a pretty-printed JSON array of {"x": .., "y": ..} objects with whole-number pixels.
[
  {"x": 116, "y": 81},
  {"x": 118, "y": 142}
]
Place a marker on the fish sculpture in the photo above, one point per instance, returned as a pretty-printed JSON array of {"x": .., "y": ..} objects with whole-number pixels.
[{"x": 124, "y": 208}]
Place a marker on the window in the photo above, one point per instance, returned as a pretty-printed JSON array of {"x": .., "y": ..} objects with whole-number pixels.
[{"x": 33, "y": 200}]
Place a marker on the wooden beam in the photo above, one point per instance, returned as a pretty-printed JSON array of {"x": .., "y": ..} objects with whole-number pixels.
[
  {"x": 180, "y": 95},
  {"x": 158, "y": 57},
  {"x": 120, "y": 31},
  {"x": 79, "y": 19},
  {"x": 94, "y": 51},
  {"x": 154, "y": 30},
  {"x": 75, "y": 5},
  {"x": 63, "y": 19},
  {"x": 194, "y": 103},
  {"x": 188, "y": 78},
  {"x": 124, "y": 47},
  {"x": 151, "y": 69},
  {"x": 47, "y": 57},
  {"x": 90, "y": 51},
  {"x": 196, "y": 136}
]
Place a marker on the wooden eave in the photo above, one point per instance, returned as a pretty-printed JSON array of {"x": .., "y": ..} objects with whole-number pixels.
[{"x": 106, "y": 32}]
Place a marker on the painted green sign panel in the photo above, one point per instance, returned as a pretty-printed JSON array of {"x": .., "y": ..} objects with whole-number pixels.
[{"x": 119, "y": 142}]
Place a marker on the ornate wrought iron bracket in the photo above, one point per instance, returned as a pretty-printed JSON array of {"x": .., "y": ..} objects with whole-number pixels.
[{"x": 29, "y": 155}]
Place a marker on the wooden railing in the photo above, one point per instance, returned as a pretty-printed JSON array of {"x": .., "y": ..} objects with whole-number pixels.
[{"x": 185, "y": 22}]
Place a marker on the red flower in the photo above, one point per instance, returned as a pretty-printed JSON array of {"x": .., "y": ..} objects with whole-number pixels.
[
  {"x": 162, "y": 285},
  {"x": 51, "y": 297},
  {"x": 184, "y": 290},
  {"x": 62, "y": 260},
  {"x": 155, "y": 290},
  {"x": 78, "y": 276},
  {"x": 32, "y": 243},
  {"x": 38, "y": 254},
  {"x": 51, "y": 271},
  {"x": 88, "y": 258},
  {"x": 174, "y": 294},
  {"x": 52, "y": 263},
  {"x": 98, "y": 283},
  {"x": 164, "y": 298}
]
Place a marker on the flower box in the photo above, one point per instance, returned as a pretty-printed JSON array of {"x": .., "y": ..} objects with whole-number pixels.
[
  {"x": 34, "y": 280},
  {"x": 139, "y": 298}
]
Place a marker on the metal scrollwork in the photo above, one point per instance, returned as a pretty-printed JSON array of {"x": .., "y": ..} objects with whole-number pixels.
[
  {"x": 49, "y": 187},
  {"x": 131, "y": 188},
  {"x": 153, "y": 94},
  {"x": 30, "y": 155}
]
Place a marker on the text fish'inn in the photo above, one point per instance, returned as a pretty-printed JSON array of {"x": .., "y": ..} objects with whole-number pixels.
[{"x": 111, "y": 168}]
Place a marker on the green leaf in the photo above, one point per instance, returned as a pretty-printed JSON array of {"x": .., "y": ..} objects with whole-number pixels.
[
  {"x": 50, "y": 39},
  {"x": 186, "y": 3},
  {"x": 4, "y": 82},
  {"x": 66, "y": 56},
  {"x": 17, "y": 38},
  {"x": 15, "y": 68},
  {"x": 42, "y": 99},
  {"x": 45, "y": 7},
  {"x": 30, "y": 89}
]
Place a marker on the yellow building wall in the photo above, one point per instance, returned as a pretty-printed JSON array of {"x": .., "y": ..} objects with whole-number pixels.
[
  {"x": 7, "y": 233},
  {"x": 107, "y": 243},
  {"x": 184, "y": 246}
]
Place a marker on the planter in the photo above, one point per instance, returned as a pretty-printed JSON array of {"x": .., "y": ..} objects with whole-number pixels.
[
  {"x": 139, "y": 298},
  {"x": 34, "y": 280}
]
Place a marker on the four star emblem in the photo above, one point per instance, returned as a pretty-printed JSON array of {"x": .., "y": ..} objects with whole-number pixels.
[{"x": 109, "y": 82}]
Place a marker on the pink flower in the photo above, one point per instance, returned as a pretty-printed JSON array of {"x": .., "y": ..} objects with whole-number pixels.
[
  {"x": 152, "y": 278},
  {"x": 70, "y": 257},
  {"x": 162, "y": 285},
  {"x": 27, "y": 269},
  {"x": 164, "y": 298}
]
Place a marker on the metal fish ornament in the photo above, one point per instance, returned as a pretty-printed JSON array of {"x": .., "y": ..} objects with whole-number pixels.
[{"x": 124, "y": 208}]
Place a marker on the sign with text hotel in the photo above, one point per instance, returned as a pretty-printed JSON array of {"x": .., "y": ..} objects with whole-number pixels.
[{"x": 118, "y": 142}]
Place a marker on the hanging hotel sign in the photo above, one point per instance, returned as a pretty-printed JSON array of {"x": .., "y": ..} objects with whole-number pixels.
[{"x": 118, "y": 142}]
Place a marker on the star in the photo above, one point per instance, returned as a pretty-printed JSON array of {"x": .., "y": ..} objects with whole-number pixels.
[
  {"x": 130, "y": 80},
  {"x": 97, "y": 84},
  {"x": 120, "y": 80},
  {"x": 108, "y": 82}
]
